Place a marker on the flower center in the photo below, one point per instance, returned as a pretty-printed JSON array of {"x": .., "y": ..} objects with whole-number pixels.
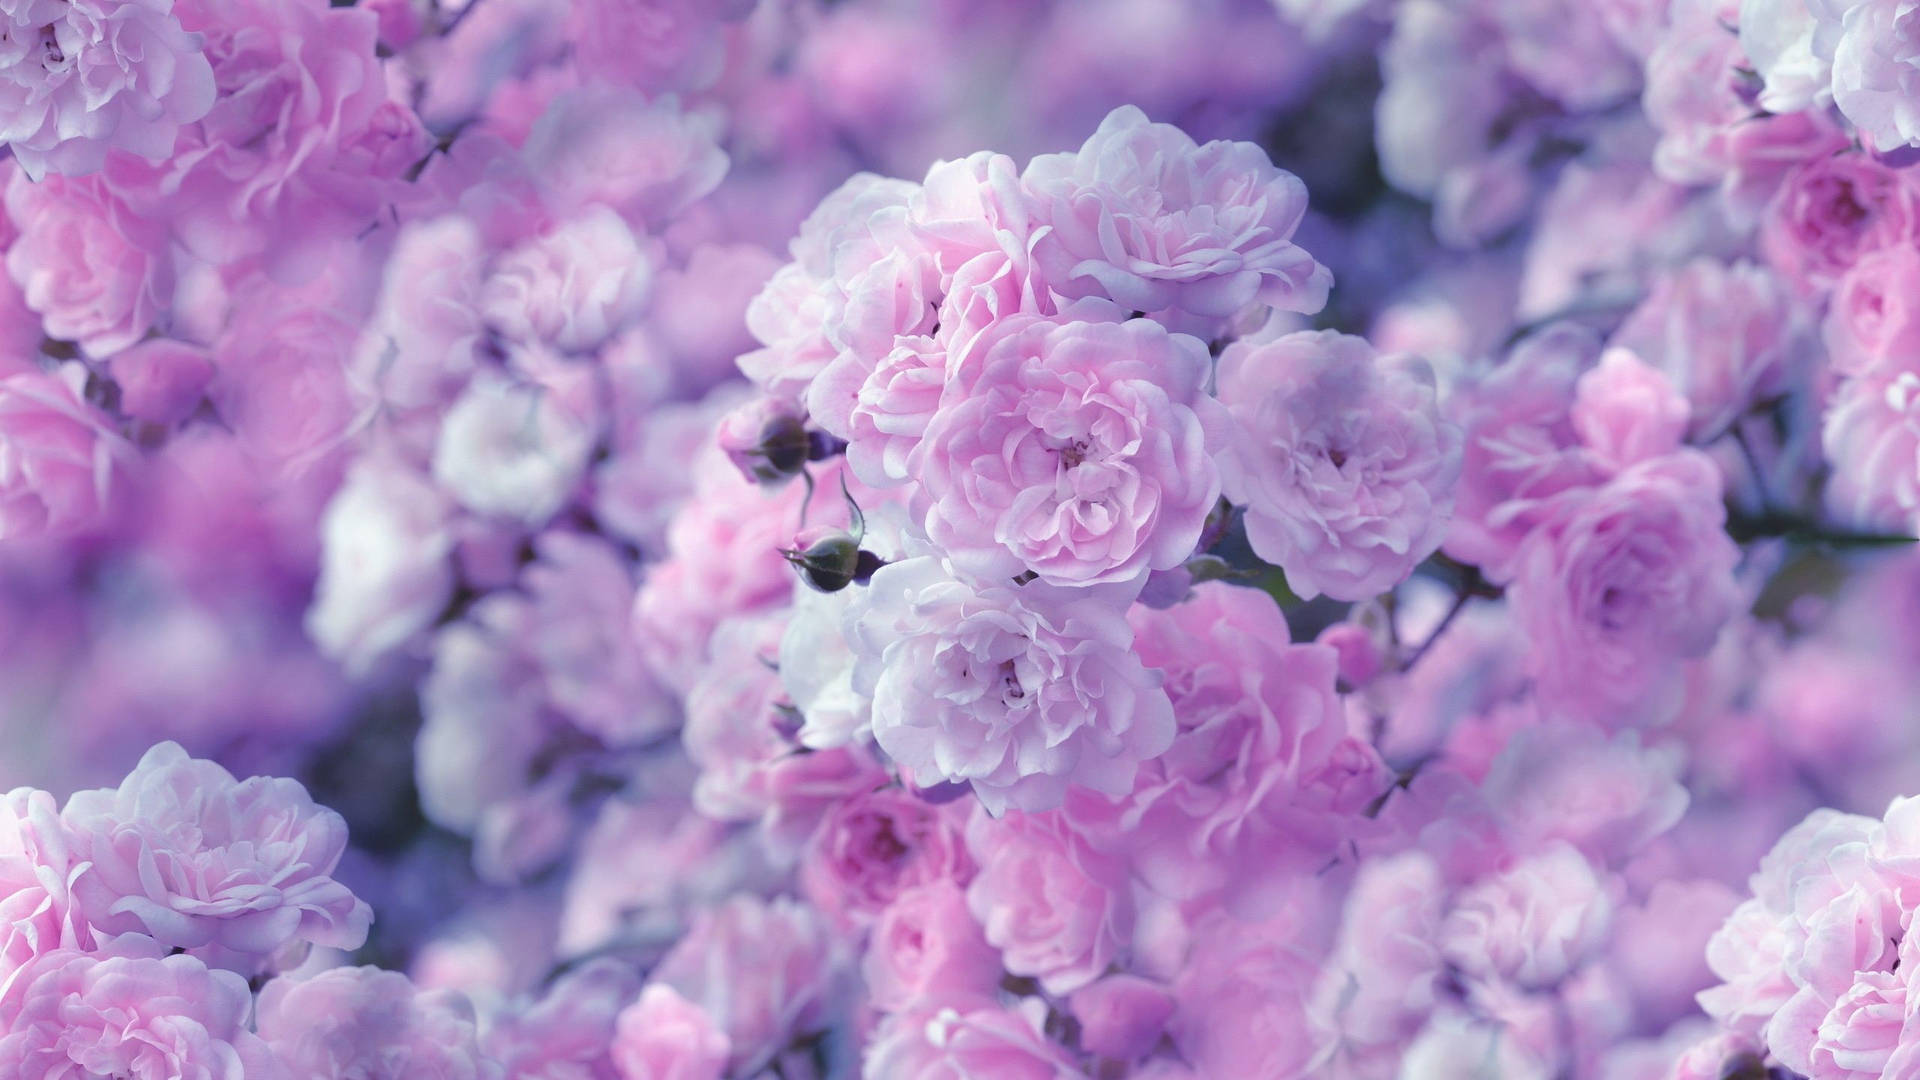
[{"x": 52, "y": 56}]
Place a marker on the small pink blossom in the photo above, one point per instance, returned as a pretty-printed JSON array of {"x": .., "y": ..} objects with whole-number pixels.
[
  {"x": 1057, "y": 908},
  {"x": 351, "y": 1021},
  {"x": 927, "y": 948},
  {"x": 978, "y": 1041},
  {"x": 1018, "y": 690},
  {"x": 1147, "y": 218},
  {"x": 1342, "y": 459}
]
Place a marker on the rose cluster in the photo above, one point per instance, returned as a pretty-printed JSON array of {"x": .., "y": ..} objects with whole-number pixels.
[{"x": 959, "y": 539}]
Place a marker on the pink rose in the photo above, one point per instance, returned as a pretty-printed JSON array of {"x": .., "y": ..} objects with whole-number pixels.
[
  {"x": 1018, "y": 690},
  {"x": 1244, "y": 1002},
  {"x": 37, "y": 910},
  {"x": 1626, "y": 411},
  {"x": 1522, "y": 457},
  {"x": 97, "y": 272},
  {"x": 892, "y": 410},
  {"x": 766, "y": 973},
  {"x": 872, "y": 847},
  {"x": 1606, "y": 795},
  {"x": 129, "y": 1011},
  {"x": 58, "y": 456},
  {"x": 1078, "y": 451},
  {"x": 1876, "y": 71},
  {"x": 927, "y": 948},
  {"x": 1341, "y": 458},
  {"x": 1262, "y": 782},
  {"x": 349, "y": 1021},
  {"x": 283, "y": 386},
  {"x": 293, "y": 154},
  {"x": 980, "y": 1041},
  {"x": 82, "y": 78},
  {"x": 1057, "y": 908},
  {"x": 1871, "y": 436},
  {"x": 386, "y": 572},
  {"x": 1728, "y": 336},
  {"x": 1625, "y": 583},
  {"x": 185, "y": 853},
  {"x": 572, "y": 288},
  {"x": 1533, "y": 924},
  {"x": 1873, "y": 319},
  {"x": 1833, "y": 210},
  {"x": 663, "y": 1036},
  {"x": 1147, "y": 218}
]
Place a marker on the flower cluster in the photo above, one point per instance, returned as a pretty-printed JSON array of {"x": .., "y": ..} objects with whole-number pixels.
[{"x": 1340, "y": 545}]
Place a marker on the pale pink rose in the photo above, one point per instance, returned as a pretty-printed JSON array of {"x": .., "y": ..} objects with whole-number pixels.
[
  {"x": 1873, "y": 318},
  {"x": 37, "y": 910},
  {"x": 1727, "y": 336},
  {"x": 663, "y": 1036},
  {"x": 1626, "y": 411},
  {"x": 1876, "y": 71},
  {"x": 59, "y": 458},
  {"x": 1522, "y": 457},
  {"x": 875, "y": 846},
  {"x": 1244, "y": 1002},
  {"x": 1384, "y": 977},
  {"x": 385, "y": 572},
  {"x": 425, "y": 336},
  {"x": 1871, "y": 436},
  {"x": 1779, "y": 38},
  {"x": 765, "y": 973},
  {"x": 365, "y": 1021},
  {"x": 1018, "y": 690},
  {"x": 892, "y": 410},
  {"x": 1833, "y": 210},
  {"x": 1693, "y": 95},
  {"x": 572, "y": 288},
  {"x": 302, "y": 146},
  {"x": 1625, "y": 583},
  {"x": 1858, "y": 1037},
  {"x": 1057, "y": 908},
  {"x": 1606, "y": 795},
  {"x": 927, "y": 948},
  {"x": 1147, "y": 218},
  {"x": 283, "y": 385},
  {"x": 129, "y": 1011},
  {"x": 647, "y": 159},
  {"x": 96, "y": 271},
  {"x": 976, "y": 1041},
  {"x": 1341, "y": 458},
  {"x": 83, "y": 78},
  {"x": 801, "y": 315},
  {"x": 1078, "y": 451},
  {"x": 185, "y": 853},
  {"x": 514, "y": 450},
  {"x": 1262, "y": 783},
  {"x": 1533, "y": 924}
]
